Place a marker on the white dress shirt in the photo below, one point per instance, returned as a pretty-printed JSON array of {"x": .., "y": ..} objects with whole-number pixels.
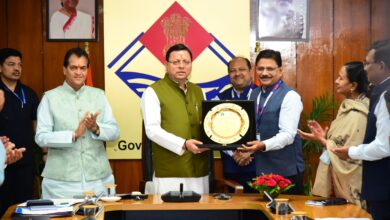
[{"x": 379, "y": 148}]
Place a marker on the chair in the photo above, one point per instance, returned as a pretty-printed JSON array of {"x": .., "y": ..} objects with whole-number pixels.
[{"x": 216, "y": 185}]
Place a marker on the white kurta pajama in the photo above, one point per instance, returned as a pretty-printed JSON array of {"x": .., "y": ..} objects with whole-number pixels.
[{"x": 74, "y": 167}]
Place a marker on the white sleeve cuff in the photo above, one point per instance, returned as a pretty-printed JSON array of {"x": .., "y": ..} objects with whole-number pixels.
[{"x": 353, "y": 152}]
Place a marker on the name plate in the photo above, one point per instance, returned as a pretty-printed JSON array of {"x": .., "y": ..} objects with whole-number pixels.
[{"x": 227, "y": 124}]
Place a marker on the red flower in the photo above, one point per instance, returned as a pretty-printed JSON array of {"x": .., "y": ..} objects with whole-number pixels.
[
  {"x": 278, "y": 178},
  {"x": 260, "y": 181},
  {"x": 271, "y": 183},
  {"x": 282, "y": 184}
]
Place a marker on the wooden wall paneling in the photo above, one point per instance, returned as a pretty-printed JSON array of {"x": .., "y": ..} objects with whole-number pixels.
[
  {"x": 25, "y": 34},
  {"x": 351, "y": 33},
  {"x": 53, "y": 59},
  {"x": 380, "y": 17},
  {"x": 315, "y": 60},
  {"x": 3, "y": 23},
  {"x": 315, "y": 57},
  {"x": 128, "y": 174},
  {"x": 287, "y": 50}
]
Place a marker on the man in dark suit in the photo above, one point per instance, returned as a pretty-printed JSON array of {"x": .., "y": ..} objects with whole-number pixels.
[{"x": 375, "y": 150}]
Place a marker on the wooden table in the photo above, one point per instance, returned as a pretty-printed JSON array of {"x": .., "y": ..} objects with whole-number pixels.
[{"x": 241, "y": 203}]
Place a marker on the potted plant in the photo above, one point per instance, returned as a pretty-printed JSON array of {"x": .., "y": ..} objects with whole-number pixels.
[{"x": 322, "y": 112}]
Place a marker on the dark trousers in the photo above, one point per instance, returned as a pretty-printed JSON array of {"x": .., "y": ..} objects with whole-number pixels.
[
  {"x": 298, "y": 189},
  {"x": 380, "y": 210},
  {"x": 17, "y": 187}
]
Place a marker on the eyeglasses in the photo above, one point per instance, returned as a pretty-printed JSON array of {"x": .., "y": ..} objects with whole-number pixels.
[
  {"x": 177, "y": 62},
  {"x": 366, "y": 63},
  {"x": 268, "y": 68},
  {"x": 75, "y": 68}
]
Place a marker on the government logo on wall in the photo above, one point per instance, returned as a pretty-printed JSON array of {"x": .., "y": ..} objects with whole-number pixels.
[{"x": 132, "y": 65}]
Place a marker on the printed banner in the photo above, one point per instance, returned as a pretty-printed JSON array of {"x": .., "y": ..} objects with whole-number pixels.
[{"x": 138, "y": 33}]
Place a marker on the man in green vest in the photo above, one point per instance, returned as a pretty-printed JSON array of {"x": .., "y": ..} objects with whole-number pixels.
[
  {"x": 74, "y": 120},
  {"x": 171, "y": 110}
]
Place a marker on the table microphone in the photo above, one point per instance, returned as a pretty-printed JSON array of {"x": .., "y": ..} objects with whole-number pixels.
[{"x": 181, "y": 190}]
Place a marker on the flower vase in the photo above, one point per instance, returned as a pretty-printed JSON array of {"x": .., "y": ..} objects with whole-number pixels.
[{"x": 273, "y": 195}]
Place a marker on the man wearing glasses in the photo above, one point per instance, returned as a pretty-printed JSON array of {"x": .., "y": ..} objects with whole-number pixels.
[
  {"x": 171, "y": 110},
  {"x": 18, "y": 106},
  {"x": 375, "y": 150},
  {"x": 277, "y": 147}
]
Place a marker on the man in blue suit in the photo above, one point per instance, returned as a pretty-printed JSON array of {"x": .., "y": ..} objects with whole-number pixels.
[
  {"x": 375, "y": 150},
  {"x": 238, "y": 166}
]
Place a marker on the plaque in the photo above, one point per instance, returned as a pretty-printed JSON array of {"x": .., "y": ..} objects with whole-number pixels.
[{"x": 227, "y": 124}]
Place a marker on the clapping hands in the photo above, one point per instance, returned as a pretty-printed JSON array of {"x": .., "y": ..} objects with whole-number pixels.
[
  {"x": 317, "y": 132},
  {"x": 12, "y": 154}
]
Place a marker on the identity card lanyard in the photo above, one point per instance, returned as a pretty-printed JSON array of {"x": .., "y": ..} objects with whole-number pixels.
[
  {"x": 22, "y": 100},
  {"x": 259, "y": 114},
  {"x": 247, "y": 96}
]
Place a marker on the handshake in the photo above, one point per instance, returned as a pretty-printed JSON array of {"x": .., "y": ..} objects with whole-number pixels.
[{"x": 242, "y": 158}]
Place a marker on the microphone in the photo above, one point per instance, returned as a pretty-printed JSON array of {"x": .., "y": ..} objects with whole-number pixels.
[{"x": 181, "y": 190}]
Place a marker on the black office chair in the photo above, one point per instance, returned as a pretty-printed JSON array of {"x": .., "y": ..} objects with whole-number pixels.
[{"x": 216, "y": 185}]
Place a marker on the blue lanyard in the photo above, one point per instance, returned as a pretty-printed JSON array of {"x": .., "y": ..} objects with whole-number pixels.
[
  {"x": 259, "y": 114},
  {"x": 22, "y": 100},
  {"x": 234, "y": 93}
]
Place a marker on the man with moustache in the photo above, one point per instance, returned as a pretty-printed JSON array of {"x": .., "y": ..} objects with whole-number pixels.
[
  {"x": 171, "y": 110},
  {"x": 70, "y": 23},
  {"x": 18, "y": 106},
  {"x": 277, "y": 147},
  {"x": 238, "y": 166},
  {"x": 375, "y": 150}
]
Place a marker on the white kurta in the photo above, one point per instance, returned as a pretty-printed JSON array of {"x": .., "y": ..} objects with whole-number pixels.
[
  {"x": 46, "y": 137},
  {"x": 151, "y": 113},
  {"x": 82, "y": 26}
]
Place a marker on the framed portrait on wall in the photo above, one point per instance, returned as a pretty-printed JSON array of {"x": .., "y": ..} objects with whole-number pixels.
[
  {"x": 282, "y": 20},
  {"x": 72, "y": 20}
]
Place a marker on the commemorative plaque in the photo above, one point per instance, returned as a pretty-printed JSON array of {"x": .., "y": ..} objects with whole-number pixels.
[{"x": 227, "y": 125}]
